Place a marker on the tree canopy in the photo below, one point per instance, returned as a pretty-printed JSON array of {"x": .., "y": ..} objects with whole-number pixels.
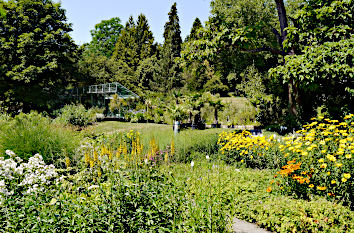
[
  {"x": 105, "y": 36},
  {"x": 37, "y": 55},
  {"x": 322, "y": 68}
]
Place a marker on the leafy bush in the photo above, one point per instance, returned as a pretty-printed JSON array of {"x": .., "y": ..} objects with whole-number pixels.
[
  {"x": 28, "y": 134},
  {"x": 77, "y": 115}
]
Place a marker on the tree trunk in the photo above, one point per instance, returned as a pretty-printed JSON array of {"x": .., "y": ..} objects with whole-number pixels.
[
  {"x": 282, "y": 20},
  {"x": 293, "y": 95},
  {"x": 216, "y": 116}
]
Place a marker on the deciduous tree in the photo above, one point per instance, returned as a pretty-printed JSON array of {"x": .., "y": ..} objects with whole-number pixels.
[{"x": 37, "y": 54}]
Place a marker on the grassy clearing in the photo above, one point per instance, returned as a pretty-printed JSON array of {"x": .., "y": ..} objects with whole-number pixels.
[{"x": 116, "y": 126}]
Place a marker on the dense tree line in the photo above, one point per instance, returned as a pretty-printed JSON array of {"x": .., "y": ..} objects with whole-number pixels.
[{"x": 290, "y": 58}]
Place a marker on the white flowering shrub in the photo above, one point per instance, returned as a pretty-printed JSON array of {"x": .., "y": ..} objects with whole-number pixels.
[{"x": 20, "y": 178}]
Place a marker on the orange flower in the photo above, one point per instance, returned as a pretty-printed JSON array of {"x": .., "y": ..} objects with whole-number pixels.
[{"x": 269, "y": 189}]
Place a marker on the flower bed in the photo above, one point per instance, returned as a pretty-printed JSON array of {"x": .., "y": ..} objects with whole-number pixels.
[{"x": 316, "y": 161}]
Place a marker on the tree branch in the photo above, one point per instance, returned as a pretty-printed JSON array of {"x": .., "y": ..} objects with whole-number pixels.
[{"x": 265, "y": 48}]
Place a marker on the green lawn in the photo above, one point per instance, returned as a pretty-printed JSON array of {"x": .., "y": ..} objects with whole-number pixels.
[{"x": 117, "y": 126}]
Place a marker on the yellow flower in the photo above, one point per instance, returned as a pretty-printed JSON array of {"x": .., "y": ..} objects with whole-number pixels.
[
  {"x": 348, "y": 156},
  {"x": 321, "y": 188},
  {"x": 92, "y": 163},
  {"x": 339, "y": 164},
  {"x": 344, "y": 180},
  {"x": 269, "y": 189},
  {"x": 331, "y": 158},
  {"x": 304, "y": 153},
  {"x": 333, "y": 182},
  {"x": 347, "y": 175},
  {"x": 323, "y": 151},
  {"x": 67, "y": 162},
  {"x": 324, "y": 165},
  {"x": 328, "y": 173},
  {"x": 311, "y": 186},
  {"x": 321, "y": 160}
]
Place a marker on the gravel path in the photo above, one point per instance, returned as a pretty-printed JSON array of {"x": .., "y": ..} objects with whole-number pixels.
[{"x": 240, "y": 226}]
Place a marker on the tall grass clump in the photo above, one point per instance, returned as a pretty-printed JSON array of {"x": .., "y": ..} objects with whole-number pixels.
[
  {"x": 29, "y": 134},
  {"x": 191, "y": 144}
]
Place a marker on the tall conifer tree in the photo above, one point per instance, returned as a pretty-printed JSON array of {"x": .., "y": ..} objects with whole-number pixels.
[
  {"x": 170, "y": 74},
  {"x": 194, "y": 31},
  {"x": 126, "y": 49},
  {"x": 144, "y": 38}
]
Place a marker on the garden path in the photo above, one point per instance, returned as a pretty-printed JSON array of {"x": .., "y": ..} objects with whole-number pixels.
[{"x": 240, "y": 226}]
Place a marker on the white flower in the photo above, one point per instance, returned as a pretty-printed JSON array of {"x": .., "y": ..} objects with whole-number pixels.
[
  {"x": 10, "y": 153},
  {"x": 192, "y": 164},
  {"x": 2, "y": 183},
  {"x": 146, "y": 161},
  {"x": 207, "y": 157},
  {"x": 93, "y": 187}
]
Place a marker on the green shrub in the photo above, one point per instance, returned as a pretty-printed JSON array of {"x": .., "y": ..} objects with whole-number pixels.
[
  {"x": 77, "y": 115},
  {"x": 28, "y": 134}
]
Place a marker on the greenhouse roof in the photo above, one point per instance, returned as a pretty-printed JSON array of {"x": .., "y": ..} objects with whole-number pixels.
[{"x": 108, "y": 89}]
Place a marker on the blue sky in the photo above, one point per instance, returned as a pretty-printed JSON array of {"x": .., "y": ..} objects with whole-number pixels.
[{"x": 84, "y": 14}]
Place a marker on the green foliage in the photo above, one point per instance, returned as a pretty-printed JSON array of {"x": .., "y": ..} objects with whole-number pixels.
[
  {"x": 105, "y": 36},
  {"x": 177, "y": 112},
  {"x": 252, "y": 86},
  {"x": 133, "y": 201},
  {"x": 234, "y": 28},
  {"x": 169, "y": 73},
  {"x": 98, "y": 69},
  {"x": 29, "y": 134},
  {"x": 194, "y": 34},
  {"x": 215, "y": 191},
  {"x": 133, "y": 55},
  {"x": 37, "y": 54},
  {"x": 323, "y": 73},
  {"x": 322, "y": 67},
  {"x": 77, "y": 115},
  {"x": 172, "y": 33}
]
